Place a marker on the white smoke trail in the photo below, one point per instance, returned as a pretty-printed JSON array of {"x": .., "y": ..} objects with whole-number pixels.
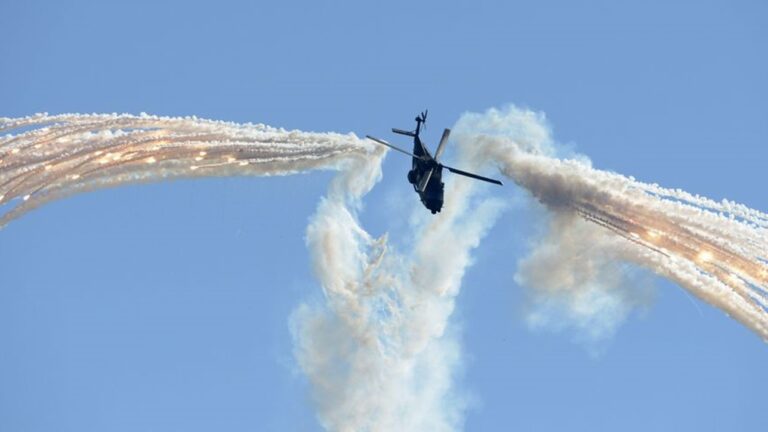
[
  {"x": 602, "y": 220},
  {"x": 56, "y": 156},
  {"x": 378, "y": 353}
]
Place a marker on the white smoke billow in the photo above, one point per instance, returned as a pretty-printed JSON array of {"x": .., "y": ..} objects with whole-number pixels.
[
  {"x": 379, "y": 352},
  {"x": 716, "y": 251}
]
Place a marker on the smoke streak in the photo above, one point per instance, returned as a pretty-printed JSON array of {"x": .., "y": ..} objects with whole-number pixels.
[
  {"x": 378, "y": 352},
  {"x": 56, "y": 156},
  {"x": 717, "y": 251}
]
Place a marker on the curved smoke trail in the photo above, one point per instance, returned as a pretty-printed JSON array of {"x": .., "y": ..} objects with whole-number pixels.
[
  {"x": 56, "y": 156},
  {"x": 379, "y": 352},
  {"x": 717, "y": 251}
]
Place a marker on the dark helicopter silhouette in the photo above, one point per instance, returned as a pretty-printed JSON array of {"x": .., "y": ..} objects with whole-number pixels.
[{"x": 426, "y": 174}]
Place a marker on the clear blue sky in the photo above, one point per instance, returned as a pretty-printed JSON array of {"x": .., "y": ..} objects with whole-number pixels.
[{"x": 165, "y": 307}]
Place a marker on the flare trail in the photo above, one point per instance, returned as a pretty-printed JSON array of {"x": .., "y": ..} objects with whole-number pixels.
[
  {"x": 716, "y": 250},
  {"x": 56, "y": 156}
]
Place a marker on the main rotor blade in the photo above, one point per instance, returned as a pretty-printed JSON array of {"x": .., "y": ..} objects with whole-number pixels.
[
  {"x": 381, "y": 141},
  {"x": 425, "y": 180},
  {"x": 474, "y": 176},
  {"x": 441, "y": 146}
]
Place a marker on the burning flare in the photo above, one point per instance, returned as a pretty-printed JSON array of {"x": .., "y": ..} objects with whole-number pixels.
[{"x": 56, "y": 156}]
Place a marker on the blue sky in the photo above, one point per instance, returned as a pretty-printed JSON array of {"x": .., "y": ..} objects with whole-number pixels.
[{"x": 165, "y": 307}]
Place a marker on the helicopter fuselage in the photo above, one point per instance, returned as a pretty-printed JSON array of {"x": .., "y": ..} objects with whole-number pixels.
[{"x": 432, "y": 195}]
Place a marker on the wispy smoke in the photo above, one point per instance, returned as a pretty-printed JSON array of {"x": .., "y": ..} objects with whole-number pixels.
[
  {"x": 378, "y": 352},
  {"x": 573, "y": 277},
  {"x": 599, "y": 221},
  {"x": 575, "y": 280}
]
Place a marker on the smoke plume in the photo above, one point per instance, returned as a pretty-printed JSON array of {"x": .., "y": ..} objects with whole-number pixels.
[
  {"x": 379, "y": 352},
  {"x": 600, "y": 221}
]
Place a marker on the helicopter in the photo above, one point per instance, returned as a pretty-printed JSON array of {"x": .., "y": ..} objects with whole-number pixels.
[{"x": 426, "y": 174}]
